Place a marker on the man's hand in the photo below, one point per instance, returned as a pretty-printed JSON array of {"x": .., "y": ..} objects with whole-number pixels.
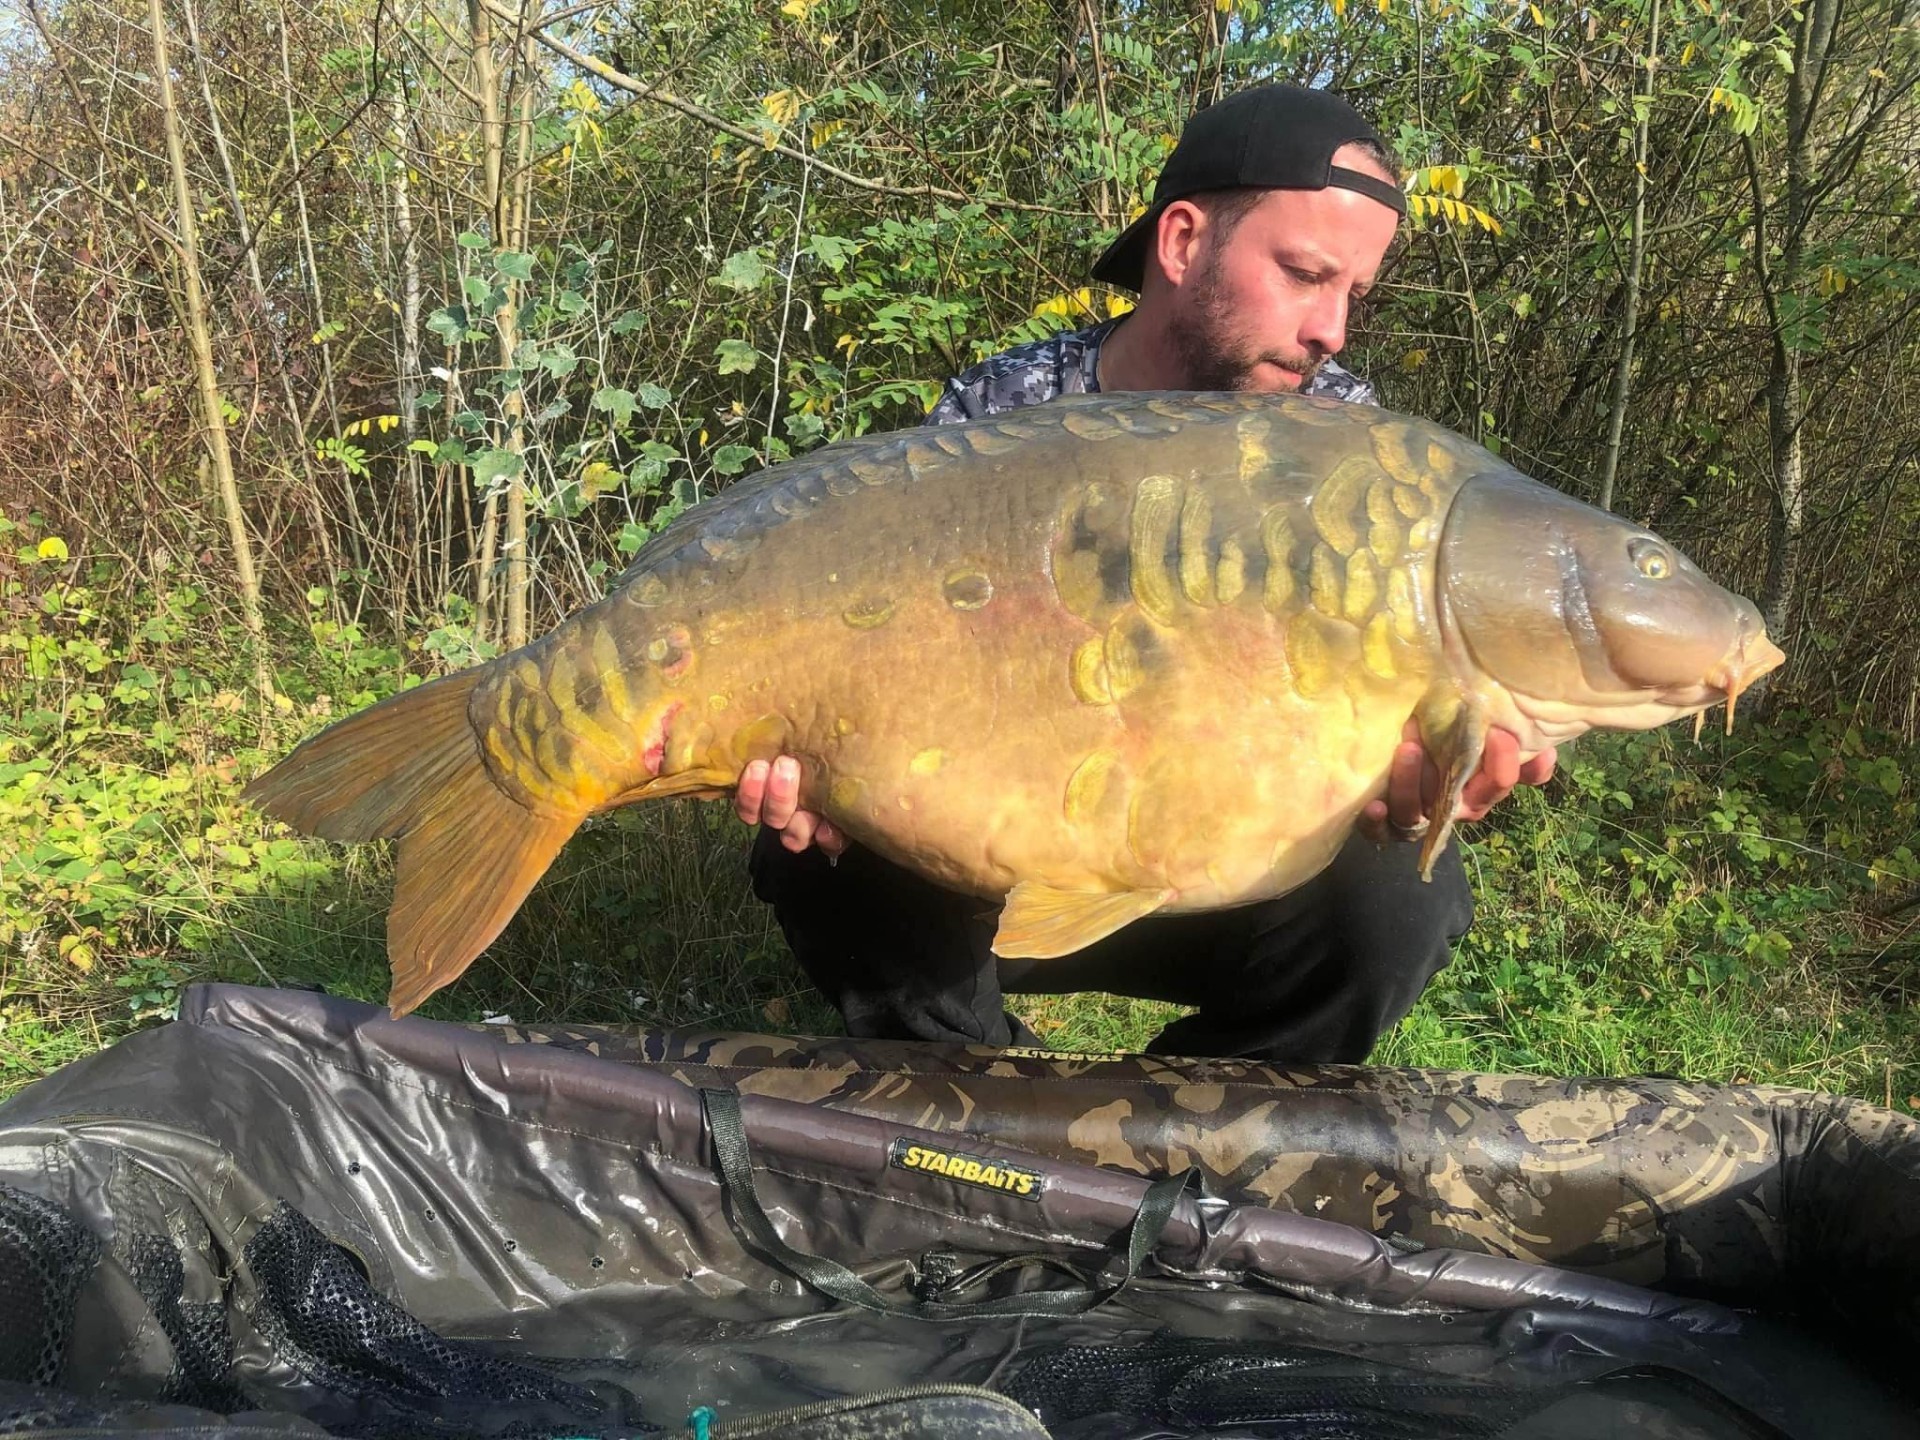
[
  {"x": 769, "y": 794},
  {"x": 1414, "y": 783}
]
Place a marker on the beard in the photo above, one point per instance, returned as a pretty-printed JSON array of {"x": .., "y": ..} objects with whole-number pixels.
[{"x": 1212, "y": 355}]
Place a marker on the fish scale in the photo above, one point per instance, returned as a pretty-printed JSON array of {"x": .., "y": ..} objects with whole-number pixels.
[{"x": 1096, "y": 659}]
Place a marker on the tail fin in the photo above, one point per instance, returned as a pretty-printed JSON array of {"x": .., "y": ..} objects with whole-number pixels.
[{"x": 409, "y": 769}]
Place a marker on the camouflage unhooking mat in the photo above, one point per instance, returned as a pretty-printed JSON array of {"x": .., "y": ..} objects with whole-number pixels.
[{"x": 286, "y": 1215}]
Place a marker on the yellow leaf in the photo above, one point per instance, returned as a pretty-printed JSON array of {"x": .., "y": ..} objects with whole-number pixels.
[
  {"x": 1538, "y": 18},
  {"x": 781, "y": 106},
  {"x": 597, "y": 479},
  {"x": 1413, "y": 359},
  {"x": 1384, "y": 5},
  {"x": 823, "y": 133},
  {"x": 1339, "y": 9},
  {"x": 1533, "y": 142},
  {"x": 1065, "y": 307},
  {"x": 1118, "y": 305},
  {"x": 77, "y": 952},
  {"x": 1686, "y": 54},
  {"x": 845, "y": 342},
  {"x": 53, "y": 548},
  {"x": 799, "y": 9}
]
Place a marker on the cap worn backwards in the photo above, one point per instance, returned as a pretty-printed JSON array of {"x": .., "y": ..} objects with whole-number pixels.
[{"x": 1274, "y": 137}]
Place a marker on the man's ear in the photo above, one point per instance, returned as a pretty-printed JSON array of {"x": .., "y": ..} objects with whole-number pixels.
[{"x": 1177, "y": 239}]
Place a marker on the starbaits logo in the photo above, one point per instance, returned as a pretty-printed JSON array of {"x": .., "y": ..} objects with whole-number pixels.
[{"x": 968, "y": 1169}]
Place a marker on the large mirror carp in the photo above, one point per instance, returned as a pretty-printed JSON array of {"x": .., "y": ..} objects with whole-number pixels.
[{"x": 1100, "y": 658}]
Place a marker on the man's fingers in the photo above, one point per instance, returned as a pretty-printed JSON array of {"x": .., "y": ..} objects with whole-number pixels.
[
  {"x": 1539, "y": 769},
  {"x": 831, "y": 842},
  {"x": 798, "y": 833},
  {"x": 1499, "y": 772},
  {"x": 750, "y": 793},
  {"x": 1372, "y": 821},
  {"x": 1405, "y": 806},
  {"x": 783, "y": 795}
]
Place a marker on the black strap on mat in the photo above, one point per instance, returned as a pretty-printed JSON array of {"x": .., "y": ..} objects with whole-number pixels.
[{"x": 833, "y": 1279}]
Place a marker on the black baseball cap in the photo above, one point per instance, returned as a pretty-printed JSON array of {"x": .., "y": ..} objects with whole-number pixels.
[{"x": 1272, "y": 137}]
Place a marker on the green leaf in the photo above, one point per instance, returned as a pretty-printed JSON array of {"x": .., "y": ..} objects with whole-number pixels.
[
  {"x": 626, "y": 322},
  {"x": 744, "y": 270},
  {"x": 571, "y": 302},
  {"x": 449, "y": 323},
  {"x": 832, "y": 251},
  {"x": 655, "y": 396},
  {"x": 514, "y": 264},
  {"x": 490, "y": 467},
  {"x": 559, "y": 360},
  {"x": 617, "y": 402},
  {"x": 736, "y": 357},
  {"x": 477, "y": 291},
  {"x": 732, "y": 459},
  {"x": 468, "y": 240}
]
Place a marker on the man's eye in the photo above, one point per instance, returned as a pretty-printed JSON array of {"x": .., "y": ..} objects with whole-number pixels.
[{"x": 1305, "y": 277}]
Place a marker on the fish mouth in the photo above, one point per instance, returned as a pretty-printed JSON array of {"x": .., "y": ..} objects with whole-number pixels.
[{"x": 1752, "y": 656}]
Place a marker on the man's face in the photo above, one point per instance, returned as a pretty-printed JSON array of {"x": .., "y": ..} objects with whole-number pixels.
[{"x": 1261, "y": 309}]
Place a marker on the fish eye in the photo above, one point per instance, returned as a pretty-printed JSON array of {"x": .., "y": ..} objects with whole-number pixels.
[{"x": 1650, "y": 559}]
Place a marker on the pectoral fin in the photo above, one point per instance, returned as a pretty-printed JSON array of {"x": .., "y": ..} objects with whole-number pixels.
[
  {"x": 1456, "y": 737},
  {"x": 703, "y": 784},
  {"x": 1040, "y": 922}
]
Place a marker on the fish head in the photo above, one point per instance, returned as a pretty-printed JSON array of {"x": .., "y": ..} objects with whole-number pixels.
[{"x": 1585, "y": 619}]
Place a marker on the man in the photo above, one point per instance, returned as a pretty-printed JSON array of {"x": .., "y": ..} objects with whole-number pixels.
[{"x": 1270, "y": 220}]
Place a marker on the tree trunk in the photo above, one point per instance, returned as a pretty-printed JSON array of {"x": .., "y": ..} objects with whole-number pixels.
[
  {"x": 357, "y": 533},
  {"x": 492, "y": 144},
  {"x": 211, "y": 415},
  {"x": 407, "y": 382},
  {"x": 519, "y": 562},
  {"x": 1785, "y": 418},
  {"x": 276, "y": 341},
  {"x": 1636, "y": 255}
]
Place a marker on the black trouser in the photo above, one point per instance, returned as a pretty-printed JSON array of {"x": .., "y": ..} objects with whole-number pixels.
[{"x": 1317, "y": 975}]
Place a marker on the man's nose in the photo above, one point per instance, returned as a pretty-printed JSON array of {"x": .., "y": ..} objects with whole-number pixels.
[{"x": 1325, "y": 324}]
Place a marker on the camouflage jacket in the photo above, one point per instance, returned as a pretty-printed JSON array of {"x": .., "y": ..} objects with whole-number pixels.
[{"x": 1068, "y": 364}]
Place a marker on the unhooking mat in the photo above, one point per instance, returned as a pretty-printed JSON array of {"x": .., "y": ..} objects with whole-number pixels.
[{"x": 286, "y": 1214}]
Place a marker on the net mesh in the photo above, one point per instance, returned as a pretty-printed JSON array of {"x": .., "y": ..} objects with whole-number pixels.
[
  {"x": 45, "y": 1257},
  {"x": 1191, "y": 1386},
  {"x": 197, "y": 1331},
  {"x": 320, "y": 1315}
]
